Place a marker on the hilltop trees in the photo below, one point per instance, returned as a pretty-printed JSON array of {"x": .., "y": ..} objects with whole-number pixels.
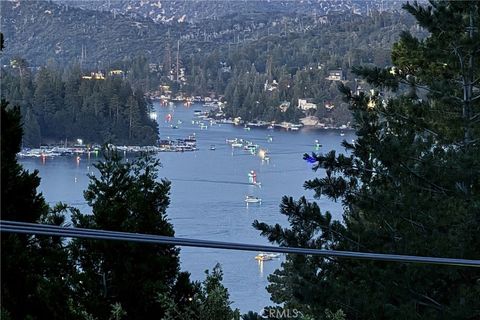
[
  {"x": 63, "y": 106},
  {"x": 409, "y": 185}
]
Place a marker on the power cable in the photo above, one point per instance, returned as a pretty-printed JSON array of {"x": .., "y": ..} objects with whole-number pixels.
[{"x": 51, "y": 230}]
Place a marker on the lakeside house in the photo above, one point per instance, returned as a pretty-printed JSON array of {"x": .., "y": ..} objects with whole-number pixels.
[{"x": 306, "y": 104}]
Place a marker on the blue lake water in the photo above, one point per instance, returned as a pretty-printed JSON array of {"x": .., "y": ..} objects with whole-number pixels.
[{"x": 208, "y": 192}]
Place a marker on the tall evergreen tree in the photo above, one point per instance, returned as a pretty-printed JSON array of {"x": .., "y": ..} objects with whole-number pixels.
[
  {"x": 34, "y": 268},
  {"x": 126, "y": 196},
  {"x": 409, "y": 185}
]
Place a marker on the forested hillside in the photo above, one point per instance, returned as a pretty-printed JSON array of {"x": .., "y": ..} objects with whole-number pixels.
[
  {"x": 261, "y": 61},
  {"x": 162, "y": 11},
  {"x": 258, "y": 76},
  {"x": 58, "y": 105}
]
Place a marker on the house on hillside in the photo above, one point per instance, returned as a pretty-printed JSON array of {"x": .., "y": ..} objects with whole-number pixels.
[
  {"x": 306, "y": 104},
  {"x": 116, "y": 73},
  {"x": 270, "y": 86},
  {"x": 328, "y": 105},
  {"x": 95, "y": 76},
  {"x": 284, "y": 106},
  {"x": 336, "y": 75}
]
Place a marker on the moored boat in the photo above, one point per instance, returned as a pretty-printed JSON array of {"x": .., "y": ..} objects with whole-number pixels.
[
  {"x": 252, "y": 199},
  {"x": 263, "y": 256}
]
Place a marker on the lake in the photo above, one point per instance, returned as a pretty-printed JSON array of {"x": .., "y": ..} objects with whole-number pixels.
[{"x": 209, "y": 189}]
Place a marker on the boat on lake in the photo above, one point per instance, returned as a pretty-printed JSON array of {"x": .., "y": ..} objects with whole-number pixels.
[
  {"x": 252, "y": 199},
  {"x": 212, "y": 147},
  {"x": 262, "y": 256}
]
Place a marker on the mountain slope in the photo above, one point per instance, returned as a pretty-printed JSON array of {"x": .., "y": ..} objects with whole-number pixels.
[
  {"x": 165, "y": 11},
  {"x": 42, "y": 30}
]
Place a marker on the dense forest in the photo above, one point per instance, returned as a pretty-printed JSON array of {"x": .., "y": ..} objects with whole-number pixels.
[{"x": 59, "y": 105}]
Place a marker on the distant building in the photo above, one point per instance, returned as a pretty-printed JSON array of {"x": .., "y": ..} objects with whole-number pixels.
[
  {"x": 270, "y": 86},
  {"x": 116, "y": 73},
  {"x": 153, "y": 67},
  {"x": 329, "y": 105},
  {"x": 284, "y": 106},
  {"x": 225, "y": 67},
  {"x": 165, "y": 89},
  {"x": 95, "y": 76},
  {"x": 336, "y": 75},
  {"x": 304, "y": 104}
]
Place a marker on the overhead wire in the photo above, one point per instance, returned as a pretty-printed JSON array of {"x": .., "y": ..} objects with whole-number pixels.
[{"x": 68, "y": 232}]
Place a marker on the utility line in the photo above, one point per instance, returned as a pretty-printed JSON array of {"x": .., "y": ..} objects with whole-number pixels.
[{"x": 51, "y": 230}]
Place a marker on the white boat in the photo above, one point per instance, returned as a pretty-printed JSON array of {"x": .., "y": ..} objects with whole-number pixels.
[
  {"x": 236, "y": 145},
  {"x": 252, "y": 199},
  {"x": 262, "y": 256}
]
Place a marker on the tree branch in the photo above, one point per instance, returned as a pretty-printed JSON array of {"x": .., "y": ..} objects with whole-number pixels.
[{"x": 442, "y": 189}]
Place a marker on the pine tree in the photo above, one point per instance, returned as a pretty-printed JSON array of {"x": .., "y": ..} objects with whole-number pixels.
[
  {"x": 33, "y": 136},
  {"x": 126, "y": 196},
  {"x": 34, "y": 268},
  {"x": 409, "y": 185},
  {"x": 214, "y": 298}
]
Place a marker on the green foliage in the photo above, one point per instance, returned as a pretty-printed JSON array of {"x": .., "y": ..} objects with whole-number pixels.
[
  {"x": 213, "y": 298},
  {"x": 409, "y": 185},
  {"x": 117, "y": 312},
  {"x": 34, "y": 268},
  {"x": 338, "y": 315},
  {"x": 250, "y": 315},
  {"x": 209, "y": 301}
]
